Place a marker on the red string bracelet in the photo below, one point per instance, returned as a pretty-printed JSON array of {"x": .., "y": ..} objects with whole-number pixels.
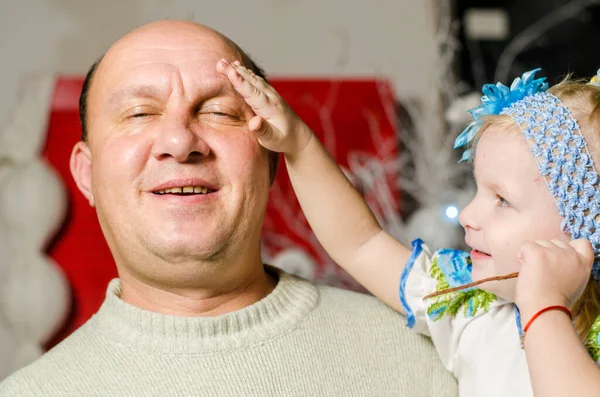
[{"x": 544, "y": 310}]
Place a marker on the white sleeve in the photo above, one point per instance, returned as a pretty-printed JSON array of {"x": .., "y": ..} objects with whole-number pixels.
[{"x": 443, "y": 318}]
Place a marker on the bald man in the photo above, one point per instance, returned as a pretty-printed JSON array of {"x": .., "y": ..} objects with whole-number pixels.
[{"x": 180, "y": 186}]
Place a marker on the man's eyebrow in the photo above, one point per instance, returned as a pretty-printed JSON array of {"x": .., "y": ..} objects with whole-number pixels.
[
  {"x": 219, "y": 89},
  {"x": 141, "y": 91}
]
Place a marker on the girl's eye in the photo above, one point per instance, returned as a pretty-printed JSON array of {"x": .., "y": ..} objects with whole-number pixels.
[{"x": 501, "y": 202}]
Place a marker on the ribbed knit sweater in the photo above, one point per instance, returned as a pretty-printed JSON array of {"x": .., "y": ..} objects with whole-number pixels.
[{"x": 300, "y": 340}]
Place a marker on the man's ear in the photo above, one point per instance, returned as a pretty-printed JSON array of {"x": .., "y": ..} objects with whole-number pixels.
[{"x": 81, "y": 169}]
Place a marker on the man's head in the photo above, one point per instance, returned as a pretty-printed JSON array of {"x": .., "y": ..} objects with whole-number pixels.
[
  {"x": 87, "y": 82},
  {"x": 158, "y": 121}
]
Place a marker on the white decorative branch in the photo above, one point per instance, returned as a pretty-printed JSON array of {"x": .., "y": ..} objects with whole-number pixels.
[{"x": 34, "y": 295}]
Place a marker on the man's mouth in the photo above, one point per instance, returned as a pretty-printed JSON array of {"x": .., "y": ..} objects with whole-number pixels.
[{"x": 185, "y": 190}]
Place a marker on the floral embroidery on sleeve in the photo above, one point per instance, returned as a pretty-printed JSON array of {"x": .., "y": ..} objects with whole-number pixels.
[
  {"x": 592, "y": 343},
  {"x": 452, "y": 268}
]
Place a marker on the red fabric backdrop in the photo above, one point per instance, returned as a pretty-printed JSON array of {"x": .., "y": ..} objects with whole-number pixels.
[{"x": 349, "y": 116}]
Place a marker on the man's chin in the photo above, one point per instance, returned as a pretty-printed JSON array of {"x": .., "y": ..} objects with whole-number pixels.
[{"x": 185, "y": 249}]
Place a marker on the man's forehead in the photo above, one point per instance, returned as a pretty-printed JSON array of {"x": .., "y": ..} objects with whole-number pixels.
[
  {"x": 179, "y": 44},
  {"x": 172, "y": 34},
  {"x": 155, "y": 90},
  {"x": 151, "y": 74},
  {"x": 202, "y": 57}
]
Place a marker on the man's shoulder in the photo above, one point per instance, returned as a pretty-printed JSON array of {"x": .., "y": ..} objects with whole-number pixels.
[
  {"x": 39, "y": 377},
  {"x": 349, "y": 296},
  {"x": 353, "y": 309},
  {"x": 337, "y": 292},
  {"x": 358, "y": 326},
  {"x": 21, "y": 383},
  {"x": 357, "y": 302}
]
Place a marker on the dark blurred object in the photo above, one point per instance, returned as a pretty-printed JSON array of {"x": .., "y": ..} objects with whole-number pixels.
[{"x": 566, "y": 40}]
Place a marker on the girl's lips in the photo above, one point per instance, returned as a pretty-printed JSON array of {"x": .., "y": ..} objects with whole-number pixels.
[{"x": 478, "y": 255}]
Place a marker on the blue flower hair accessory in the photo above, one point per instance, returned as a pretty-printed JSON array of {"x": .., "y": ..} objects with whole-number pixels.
[
  {"x": 562, "y": 156},
  {"x": 495, "y": 99},
  {"x": 558, "y": 146}
]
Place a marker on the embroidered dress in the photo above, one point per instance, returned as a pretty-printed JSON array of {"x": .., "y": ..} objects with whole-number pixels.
[
  {"x": 475, "y": 333},
  {"x": 592, "y": 343}
]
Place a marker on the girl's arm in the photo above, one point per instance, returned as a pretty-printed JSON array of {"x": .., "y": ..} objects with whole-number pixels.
[
  {"x": 336, "y": 212},
  {"x": 559, "y": 364},
  {"x": 555, "y": 273},
  {"x": 344, "y": 224}
]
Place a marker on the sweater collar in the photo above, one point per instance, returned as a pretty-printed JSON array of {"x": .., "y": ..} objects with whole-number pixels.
[{"x": 282, "y": 310}]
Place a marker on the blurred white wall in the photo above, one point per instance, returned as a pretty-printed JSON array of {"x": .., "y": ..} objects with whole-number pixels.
[{"x": 391, "y": 38}]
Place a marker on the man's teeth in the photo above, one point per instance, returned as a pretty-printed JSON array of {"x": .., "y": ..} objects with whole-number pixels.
[{"x": 185, "y": 189}]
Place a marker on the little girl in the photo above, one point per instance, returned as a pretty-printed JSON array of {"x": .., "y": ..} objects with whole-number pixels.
[{"x": 536, "y": 213}]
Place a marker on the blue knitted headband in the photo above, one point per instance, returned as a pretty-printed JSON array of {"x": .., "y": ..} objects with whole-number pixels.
[{"x": 559, "y": 148}]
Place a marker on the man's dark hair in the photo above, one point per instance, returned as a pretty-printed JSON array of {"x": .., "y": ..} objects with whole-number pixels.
[{"x": 87, "y": 82}]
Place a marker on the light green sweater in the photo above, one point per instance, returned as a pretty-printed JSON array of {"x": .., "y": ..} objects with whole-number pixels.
[{"x": 301, "y": 340}]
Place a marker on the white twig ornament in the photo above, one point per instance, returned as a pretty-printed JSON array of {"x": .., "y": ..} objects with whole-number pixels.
[{"x": 34, "y": 294}]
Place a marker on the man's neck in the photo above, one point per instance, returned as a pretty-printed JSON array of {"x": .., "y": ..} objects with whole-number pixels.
[{"x": 191, "y": 302}]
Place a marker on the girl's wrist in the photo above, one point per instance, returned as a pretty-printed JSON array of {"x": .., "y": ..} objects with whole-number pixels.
[
  {"x": 528, "y": 308},
  {"x": 543, "y": 320},
  {"x": 304, "y": 138}
]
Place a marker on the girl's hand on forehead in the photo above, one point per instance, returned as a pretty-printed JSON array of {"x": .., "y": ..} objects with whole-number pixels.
[
  {"x": 276, "y": 126},
  {"x": 552, "y": 273}
]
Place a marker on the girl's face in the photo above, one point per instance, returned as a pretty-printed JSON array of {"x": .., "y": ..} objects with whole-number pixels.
[{"x": 512, "y": 206}]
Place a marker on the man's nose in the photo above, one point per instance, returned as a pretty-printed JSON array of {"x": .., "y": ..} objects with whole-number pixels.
[{"x": 180, "y": 140}]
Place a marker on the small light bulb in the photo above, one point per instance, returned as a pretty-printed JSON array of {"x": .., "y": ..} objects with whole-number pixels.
[{"x": 451, "y": 211}]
